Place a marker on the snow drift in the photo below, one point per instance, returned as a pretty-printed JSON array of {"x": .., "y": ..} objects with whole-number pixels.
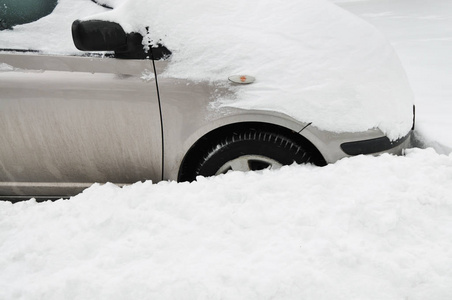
[{"x": 363, "y": 228}]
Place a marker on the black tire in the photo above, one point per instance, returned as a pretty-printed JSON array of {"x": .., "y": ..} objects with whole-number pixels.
[{"x": 251, "y": 150}]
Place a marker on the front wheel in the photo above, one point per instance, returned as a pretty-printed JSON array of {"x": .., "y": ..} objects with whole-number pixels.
[{"x": 251, "y": 150}]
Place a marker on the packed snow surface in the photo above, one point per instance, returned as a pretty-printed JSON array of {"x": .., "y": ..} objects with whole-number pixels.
[
  {"x": 363, "y": 228},
  {"x": 312, "y": 60}
]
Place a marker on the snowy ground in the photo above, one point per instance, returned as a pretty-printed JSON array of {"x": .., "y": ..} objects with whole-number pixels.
[{"x": 363, "y": 228}]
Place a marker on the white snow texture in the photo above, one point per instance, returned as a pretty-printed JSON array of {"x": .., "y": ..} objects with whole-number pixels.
[{"x": 363, "y": 228}]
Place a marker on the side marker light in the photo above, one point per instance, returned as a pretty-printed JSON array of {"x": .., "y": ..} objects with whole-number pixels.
[{"x": 242, "y": 79}]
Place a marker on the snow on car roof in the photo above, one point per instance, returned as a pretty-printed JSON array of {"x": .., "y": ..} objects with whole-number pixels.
[{"x": 312, "y": 60}]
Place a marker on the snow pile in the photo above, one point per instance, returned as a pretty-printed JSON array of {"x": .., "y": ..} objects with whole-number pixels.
[
  {"x": 363, "y": 228},
  {"x": 312, "y": 60}
]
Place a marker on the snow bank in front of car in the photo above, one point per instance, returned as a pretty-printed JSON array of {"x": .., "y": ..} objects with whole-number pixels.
[
  {"x": 380, "y": 230},
  {"x": 312, "y": 60}
]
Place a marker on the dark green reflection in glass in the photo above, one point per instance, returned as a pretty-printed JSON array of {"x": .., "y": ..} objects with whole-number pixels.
[{"x": 15, "y": 12}]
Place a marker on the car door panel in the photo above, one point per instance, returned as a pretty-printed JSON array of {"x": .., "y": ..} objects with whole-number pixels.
[{"x": 62, "y": 130}]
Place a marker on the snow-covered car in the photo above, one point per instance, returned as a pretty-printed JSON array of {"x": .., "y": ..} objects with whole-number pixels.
[{"x": 170, "y": 92}]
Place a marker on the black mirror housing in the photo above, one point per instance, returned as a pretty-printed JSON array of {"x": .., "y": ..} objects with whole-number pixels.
[{"x": 95, "y": 35}]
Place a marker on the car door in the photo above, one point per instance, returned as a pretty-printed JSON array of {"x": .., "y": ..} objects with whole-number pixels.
[{"x": 69, "y": 121}]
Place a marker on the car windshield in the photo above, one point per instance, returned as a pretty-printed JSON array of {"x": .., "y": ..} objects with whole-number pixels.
[
  {"x": 45, "y": 25},
  {"x": 14, "y": 12}
]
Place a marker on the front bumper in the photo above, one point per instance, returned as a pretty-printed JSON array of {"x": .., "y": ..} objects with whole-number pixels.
[
  {"x": 380, "y": 144},
  {"x": 377, "y": 145}
]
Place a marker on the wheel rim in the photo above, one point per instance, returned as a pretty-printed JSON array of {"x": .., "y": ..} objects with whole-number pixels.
[{"x": 247, "y": 163}]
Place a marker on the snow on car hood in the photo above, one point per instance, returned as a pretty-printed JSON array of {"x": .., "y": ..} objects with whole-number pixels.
[{"x": 312, "y": 60}]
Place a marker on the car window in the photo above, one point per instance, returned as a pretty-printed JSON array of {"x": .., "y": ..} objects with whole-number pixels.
[{"x": 16, "y": 12}]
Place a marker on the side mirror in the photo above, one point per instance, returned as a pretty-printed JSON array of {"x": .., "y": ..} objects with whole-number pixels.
[{"x": 94, "y": 35}]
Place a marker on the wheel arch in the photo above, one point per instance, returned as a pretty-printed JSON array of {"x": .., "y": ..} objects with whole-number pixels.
[{"x": 200, "y": 146}]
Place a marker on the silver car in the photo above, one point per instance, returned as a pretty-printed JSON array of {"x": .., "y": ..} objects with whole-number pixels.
[{"x": 69, "y": 121}]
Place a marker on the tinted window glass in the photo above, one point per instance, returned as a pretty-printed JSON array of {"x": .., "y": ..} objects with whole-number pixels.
[{"x": 15, "y": 12}]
